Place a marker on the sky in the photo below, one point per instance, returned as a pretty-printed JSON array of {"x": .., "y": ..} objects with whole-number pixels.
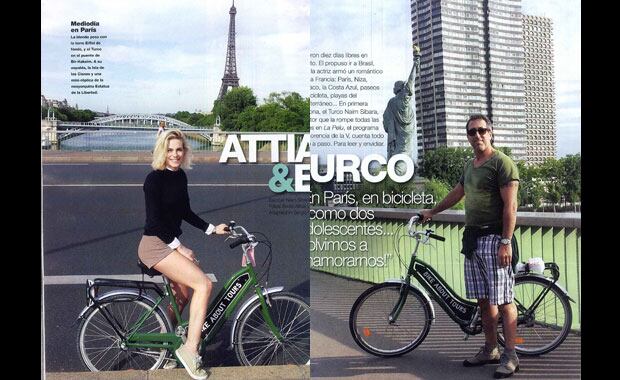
[
  {"x": 382, "y": 28},
  {"x": 164, "y": 56},
  {"x": 566, "y": 18}
]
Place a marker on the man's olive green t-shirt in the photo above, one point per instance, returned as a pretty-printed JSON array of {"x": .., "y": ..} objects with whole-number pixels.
[{"x": 483, "y": 201}]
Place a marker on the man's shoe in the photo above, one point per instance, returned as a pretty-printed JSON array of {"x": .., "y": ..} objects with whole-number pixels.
[
  {"x": 508, "y": 365},
  {"x": 192, "y": 364},
  {"x": 483, "y": 357}
]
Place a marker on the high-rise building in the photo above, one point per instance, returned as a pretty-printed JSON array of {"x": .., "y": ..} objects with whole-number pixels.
[
  {"x": 539, "y": 88},
  {"x": 472, "y": 62}
]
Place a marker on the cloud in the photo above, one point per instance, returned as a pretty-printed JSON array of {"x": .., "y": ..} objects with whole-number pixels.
[
  {"x": 167, "y": 42},
  {"x": 172, "y": 60},
  {"x": 566, "y": 19}
]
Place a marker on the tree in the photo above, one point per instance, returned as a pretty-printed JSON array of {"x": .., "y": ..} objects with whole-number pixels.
[
  {"x": 531, "y": 187},
  {"x": 571, "y": 170},
  {"x": 445, "y": 164},
  {"x": 193, "y": 118},
  {"x": 439, "y": 190},
  {"x": 233, "y": 103},
  {"x": 552, "y": 173},
  {"x": 506, "y": 150},
  {"x": 70, "y": 114},
  {"x": 285, "y": 112}
]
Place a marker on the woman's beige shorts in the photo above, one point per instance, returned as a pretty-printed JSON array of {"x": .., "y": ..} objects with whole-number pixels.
[{"x": 152, "y": 250}]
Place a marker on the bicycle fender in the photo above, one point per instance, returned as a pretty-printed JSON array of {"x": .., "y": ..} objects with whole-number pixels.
[
  {"x": 245, "y": 305},
  {"x": 418, "y": 290},
  {"x": 547, "y": 279},
  {"x": 124, "y": 292}
]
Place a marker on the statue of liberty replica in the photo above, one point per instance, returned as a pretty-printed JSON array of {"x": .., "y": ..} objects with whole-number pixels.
[{"x": 399, "y": 118}]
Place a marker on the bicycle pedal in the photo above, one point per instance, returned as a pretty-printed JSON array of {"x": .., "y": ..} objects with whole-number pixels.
[{"x": 182, "y": 333}]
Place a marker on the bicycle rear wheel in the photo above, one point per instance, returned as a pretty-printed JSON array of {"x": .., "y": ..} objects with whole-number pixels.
[
  {"x": 544, "y": 328},
  {"x": 255, "y": 344},
  {"x": 369, "y": 324},
  {"x": 100, "y": 347}
]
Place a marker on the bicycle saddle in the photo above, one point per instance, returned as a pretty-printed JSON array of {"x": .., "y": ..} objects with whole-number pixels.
[{"x": 148, "y": 271}]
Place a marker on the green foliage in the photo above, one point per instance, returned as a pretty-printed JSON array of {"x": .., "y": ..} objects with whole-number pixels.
[
  {"x": 233, "y": 103},
  {"x": 445, "y": 164},
  {"x": 506, "y": 150},
  {"x": 70, "y": 114},
  {"x": 210, "y": 119},
  {"x": 425, "y": 193},
  {"x": 281, "y": 112},
  {"x": 552, "y": 171},
  {"x": 553, "y": 181},
  {"x": 531, "y": 188},
  {"x": 571, "y": 166},
  {"x": 439, "y": 190},
  {"x": 317, "y": 194},
  {"x": 192, "y": 118},
  {"x": 238, "y": 110}
]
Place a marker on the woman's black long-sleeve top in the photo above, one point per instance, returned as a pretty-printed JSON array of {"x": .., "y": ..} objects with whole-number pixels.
[{"x": 167, "y": 204}]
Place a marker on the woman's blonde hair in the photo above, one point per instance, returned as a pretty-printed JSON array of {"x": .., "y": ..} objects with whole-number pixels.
[{"x": 161, "y": 149}]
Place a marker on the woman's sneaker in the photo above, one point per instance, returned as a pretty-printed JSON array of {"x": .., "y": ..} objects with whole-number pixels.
[{"x": 192, "y": 364}]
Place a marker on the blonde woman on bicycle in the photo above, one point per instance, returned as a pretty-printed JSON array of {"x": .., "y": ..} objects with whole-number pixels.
[{"x": 167, "y": 204}]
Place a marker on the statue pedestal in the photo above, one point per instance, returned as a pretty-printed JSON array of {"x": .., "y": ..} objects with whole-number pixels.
[{"x": 49, "y": 135}]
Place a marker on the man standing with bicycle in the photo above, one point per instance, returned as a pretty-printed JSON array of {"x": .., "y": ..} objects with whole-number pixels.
[{"x": 489, "y": 184}]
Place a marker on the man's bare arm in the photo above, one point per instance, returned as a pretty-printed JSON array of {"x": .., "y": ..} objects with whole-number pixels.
[
  {"x": 453, "y": 197},
  {"x": 509, "y": 216}
]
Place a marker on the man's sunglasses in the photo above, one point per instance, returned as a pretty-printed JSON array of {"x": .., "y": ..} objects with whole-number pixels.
[{"x": 481, "y": 131}]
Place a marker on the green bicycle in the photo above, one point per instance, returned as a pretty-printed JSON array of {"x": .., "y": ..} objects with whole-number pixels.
[{"x": 128, "y": 328}]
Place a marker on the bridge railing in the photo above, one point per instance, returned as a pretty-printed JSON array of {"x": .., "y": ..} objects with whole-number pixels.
[
  {"x": 368, "y": 250},
  {"x": 139, "y": 139}
]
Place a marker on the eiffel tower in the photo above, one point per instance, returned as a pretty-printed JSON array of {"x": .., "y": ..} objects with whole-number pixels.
[{"x": 230, "y": 78}]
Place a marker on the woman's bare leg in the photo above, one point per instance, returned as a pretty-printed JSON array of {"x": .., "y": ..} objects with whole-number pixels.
[
  {"x": 182, "y": 296},
  {"x": 183, "y": 271}
]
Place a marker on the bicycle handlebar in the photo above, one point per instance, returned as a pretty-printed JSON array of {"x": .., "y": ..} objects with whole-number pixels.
[
  {"x": 440, "y": 238},
  {"x": 417, "y": 218},
  {"x": 240, "y": 234},
  {"x": 240, "y": 241}
]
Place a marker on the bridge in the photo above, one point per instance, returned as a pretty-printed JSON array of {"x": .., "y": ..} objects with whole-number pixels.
[
  {"x": 131, "y": 121},
  {"x": 57, "y": 130}
]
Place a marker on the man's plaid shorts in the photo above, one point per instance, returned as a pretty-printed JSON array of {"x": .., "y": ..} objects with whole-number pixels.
[{"x": 483, "y": 276}]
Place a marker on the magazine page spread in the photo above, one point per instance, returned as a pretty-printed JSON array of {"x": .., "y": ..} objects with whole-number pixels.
[
  {"x": 130, "y": 92},
  {"x": 369, "y": 189},
  {"x": 395, "y": 88}
]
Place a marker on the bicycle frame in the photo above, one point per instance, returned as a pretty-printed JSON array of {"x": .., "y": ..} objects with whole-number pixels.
[
  {"x": 219, "y": 310},
  {"x": 460, "y": 310},
  {"x": 463, "y": 312}
]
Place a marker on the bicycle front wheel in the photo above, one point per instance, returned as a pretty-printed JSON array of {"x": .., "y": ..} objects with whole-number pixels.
[
  {"x": 371, "y": 329},
  {"x": 255, "y": 344},
  {"x": 544, "y": 317},
  {"x": 102, "y": 349}
]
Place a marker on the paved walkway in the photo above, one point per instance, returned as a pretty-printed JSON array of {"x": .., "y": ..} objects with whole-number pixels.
[
  {"x": 335, "y": 354},
  {"x": 258, "y": 373}
]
